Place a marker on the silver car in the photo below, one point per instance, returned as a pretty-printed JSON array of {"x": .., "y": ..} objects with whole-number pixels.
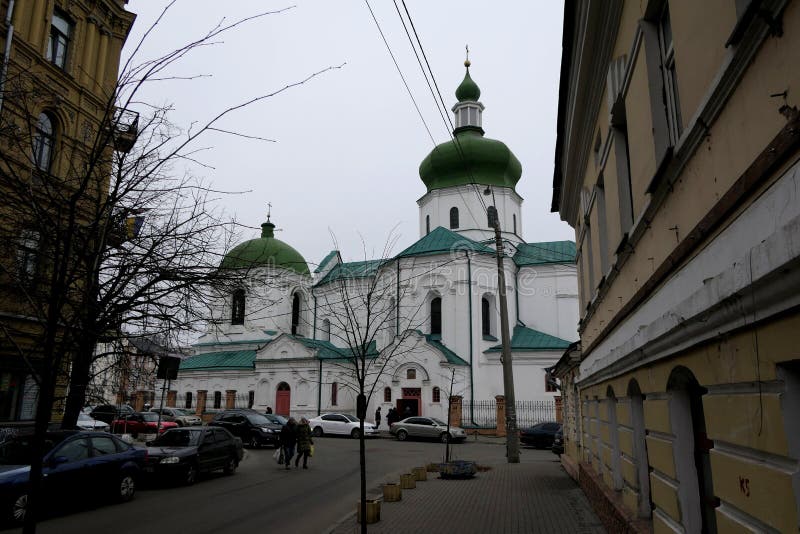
[
  {"x": 179, "y": 415},
  {"x": 426, "y": 427}
]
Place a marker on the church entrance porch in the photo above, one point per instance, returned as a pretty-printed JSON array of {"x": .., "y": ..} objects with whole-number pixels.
[{"x": 409, "y": 404}]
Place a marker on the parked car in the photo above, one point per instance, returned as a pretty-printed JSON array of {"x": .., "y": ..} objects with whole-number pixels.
[
  {"x": 340, "y": 423},
  {"x": 251, "y": 427},
  {"x": 108, "y": 412},
  {"x": 179, "y": 415},
  {"x": 141, "y": 423},
  {"x": 277, "y": 419},
  {"x": 183, "y": 453},
  {"x": 78, "y": 466},
  {"x": 540, "y": 435},
  {"x": 558, "y": 443},
  {"x": 87, "y": 423},
  {"x": 426, "y": 427}
]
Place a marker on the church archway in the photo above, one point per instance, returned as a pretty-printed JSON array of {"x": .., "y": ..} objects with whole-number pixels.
[{"x": 283, "y": 398}]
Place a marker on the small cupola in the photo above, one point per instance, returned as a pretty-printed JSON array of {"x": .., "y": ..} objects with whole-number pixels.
[{"x": 468, "y": 110}]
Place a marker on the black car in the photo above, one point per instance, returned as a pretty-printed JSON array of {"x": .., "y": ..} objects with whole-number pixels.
[
  {"x": 108, "y": 412},
  {"x": 79, "y": 466},
  {"x": 558, "y": 443},
  {"x": 183, "y": 453},
  {"x": 253, "y": 428},
  {"x": 540, "y": 435}
]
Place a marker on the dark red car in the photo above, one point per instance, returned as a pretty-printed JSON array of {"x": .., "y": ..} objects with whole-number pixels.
[{"x": 140, "y": 423}]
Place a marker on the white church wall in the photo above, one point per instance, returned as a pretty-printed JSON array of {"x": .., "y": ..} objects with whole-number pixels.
[{"x": 548, "y": 299}]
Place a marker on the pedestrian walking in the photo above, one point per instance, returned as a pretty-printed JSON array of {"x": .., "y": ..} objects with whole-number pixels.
[
  {"x": 378, "y": 417},
  {"x": 288, "y": 438},
  {"x": 391, "y": 417},
  {"x": 304, "y": 442},
  {"x": 269, "y": 409}
]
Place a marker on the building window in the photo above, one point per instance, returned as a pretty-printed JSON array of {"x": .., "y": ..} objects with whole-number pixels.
[
  {"x": 437, "y": 395},
  {"x": 295, "y": 314},
  {"x": 43, "y": 141},
  {"x": 387, "y": 394},
  {"x": 620, "y": 138},
  {"x": 486, "y": 318},
  {"x": 491, "y": 216},
  {"x": 251, "y": 398},
  {"x": 549, "y": 383},
  {"x": 514, "y": 219},
  {"x": 188, "y": 399},
  {"x": 427, "y": 224},
  {"x": 58, "y": 43},
  {"x": 602, "y": 234},
  {"x": 238, "y": 307},
  {"x": 28, "y": 257},
  {"x": 326, "y": 330},
  {"x": 217, "y": 400},
  {"x": 453, "y": 218},
  {"x": 668, "y": 72},
  {"x": 436, "y": 316},
  {"x": 411, "y": 374},
  {"x": 334, "y": 394}
]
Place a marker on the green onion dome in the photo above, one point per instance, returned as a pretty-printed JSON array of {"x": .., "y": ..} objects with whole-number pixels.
[
  {"x": 468, "y": 90},
  {"x": 265, "y": 251}
]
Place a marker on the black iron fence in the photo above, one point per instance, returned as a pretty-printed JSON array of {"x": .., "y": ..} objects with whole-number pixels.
[
  {"x": 532, "y": 412},
  {"x": 483, "y": 413}
]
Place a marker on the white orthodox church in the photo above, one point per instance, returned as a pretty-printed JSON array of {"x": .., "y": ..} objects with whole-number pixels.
[{"x": 285, "y": 338}]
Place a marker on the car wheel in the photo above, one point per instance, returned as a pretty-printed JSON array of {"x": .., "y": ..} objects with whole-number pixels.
[
  {"x": 254, "y": 443},
  {"x": 19, "y": 507},
  {"x": 356, "y": 433},
  {"x": 318, "y": 432},
  {"x": 402, "y": 435},
  {"x": 190, "y": 476},
  {"x": 445, "y": 437},
  {"x": 126, "y": 488},
  {"x": 230, "y": 466}
]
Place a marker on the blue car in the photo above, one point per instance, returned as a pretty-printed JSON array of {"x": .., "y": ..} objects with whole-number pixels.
[{"x": 76, "y": 462}]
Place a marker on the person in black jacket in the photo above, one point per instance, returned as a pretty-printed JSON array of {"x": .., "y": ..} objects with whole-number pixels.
[{"x": 288, "y": 439}]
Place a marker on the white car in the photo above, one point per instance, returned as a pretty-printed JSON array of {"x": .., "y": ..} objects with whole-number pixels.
[
  {"x": 87, "y": 423},
  {"x": 340, "y": 423}
]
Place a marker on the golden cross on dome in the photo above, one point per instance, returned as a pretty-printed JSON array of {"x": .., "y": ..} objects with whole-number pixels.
[
  {"x": 269, "y": 210},
  {"x": 466, "y": 62}
]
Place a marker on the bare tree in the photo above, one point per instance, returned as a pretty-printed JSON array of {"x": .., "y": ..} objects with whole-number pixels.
[{"x": 110, "y": 237}]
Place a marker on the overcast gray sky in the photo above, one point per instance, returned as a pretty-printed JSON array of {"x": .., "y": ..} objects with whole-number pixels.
[{"x": 349, "y": 143}]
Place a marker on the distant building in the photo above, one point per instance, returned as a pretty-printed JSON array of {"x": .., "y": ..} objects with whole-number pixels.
[
  {"x": 677, "y": 164},
  {"x": 281, "y": 338},
  {"x": 55, "y": 86}
]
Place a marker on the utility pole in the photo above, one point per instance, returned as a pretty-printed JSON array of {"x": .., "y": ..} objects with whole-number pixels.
[{"x": 512, "y": 436}]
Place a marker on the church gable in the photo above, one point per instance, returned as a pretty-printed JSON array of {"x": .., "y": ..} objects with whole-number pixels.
[{"x": 285, "y": 347}]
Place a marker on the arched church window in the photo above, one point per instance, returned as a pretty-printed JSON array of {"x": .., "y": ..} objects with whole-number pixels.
[
  {"x": 437, "y": 395},
  {"x": 486, "y": 318},
  {"x": 436, "y": 316},
  {"x": 427, "y": 224},
  {"x": 295, "y": 313},
  {"x": 237, "y": 307},
  {"x": 387, "y": 394},
  {"x": 491, "y": 215},
  {"x": 43, "y": 142},
  {"x": 453, "y": 218},
  {"x": 334, "y": 393}
]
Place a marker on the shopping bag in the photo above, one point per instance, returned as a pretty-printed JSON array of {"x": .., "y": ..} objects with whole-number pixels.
[
  {"x": 278, "y": 455},
  {"x": 311, "y": 451}
]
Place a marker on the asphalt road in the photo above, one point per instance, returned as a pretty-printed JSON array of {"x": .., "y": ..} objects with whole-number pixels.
[{"x": 262, "y": 496}]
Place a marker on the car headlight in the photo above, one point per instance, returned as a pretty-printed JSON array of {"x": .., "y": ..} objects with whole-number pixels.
[
  {"x": 267, "y": 430},
  {"x": 170, "y": 460}
]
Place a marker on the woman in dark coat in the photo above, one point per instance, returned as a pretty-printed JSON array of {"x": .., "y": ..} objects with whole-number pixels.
[
  {"x": 304, "y": 442},
  {"x": 288, "y": 440}
]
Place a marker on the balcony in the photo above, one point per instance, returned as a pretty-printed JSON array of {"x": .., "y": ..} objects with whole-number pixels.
[{"x": 125, "y": 129}]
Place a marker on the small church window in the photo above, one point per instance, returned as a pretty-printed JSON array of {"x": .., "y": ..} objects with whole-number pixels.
[
  {"x": 514, "y": 216},
  {"x": 237, "y": 307},
  {"x": 427, "y": 224},
  {"x": 326, "y": 330},
  {"x": 295, "y": 314},
  {"x": 486, "y": 318},
  {"x": 217, "y": 400},
  {"x": 436, "y": 316},
  {"x": 491, "y": 214},
  {"x": 387, "y": 394},
  {"x": 454, "y": 217},
  {"x": 411, "y": 374},
  {"x": 334, "y": 393},
  {"x": 251, "y": 398},
  {"x": 437, "y": 395},
  {"x": 188, "y": 399}
]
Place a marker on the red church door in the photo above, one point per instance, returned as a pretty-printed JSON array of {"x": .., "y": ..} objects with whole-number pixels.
[{"x": 283, "y": 399}]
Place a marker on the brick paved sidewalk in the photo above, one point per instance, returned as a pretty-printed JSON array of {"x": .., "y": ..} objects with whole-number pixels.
[{"x": 534, "y": 496}]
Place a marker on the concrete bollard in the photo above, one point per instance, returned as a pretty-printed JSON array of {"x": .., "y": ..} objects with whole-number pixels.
[
  {"x": 420, "y": 473},
  {"x": 392, "y": 492},
  {"x": 408, "y": 481}
]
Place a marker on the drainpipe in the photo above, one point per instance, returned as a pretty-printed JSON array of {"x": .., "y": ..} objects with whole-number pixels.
[
  {"x": 319, "y": 389},
  {"x": 7, "y": 53},
  {"x": 516, "y": 293},
  {"x": 397, "y": 302},
  {"x": 314, "y": 333},
  {"x": 471, "y": 382}
]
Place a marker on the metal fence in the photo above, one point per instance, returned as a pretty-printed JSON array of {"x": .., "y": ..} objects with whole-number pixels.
[
  {"x": 483, "y": 413},
  {"x": 532, "y": 412}
]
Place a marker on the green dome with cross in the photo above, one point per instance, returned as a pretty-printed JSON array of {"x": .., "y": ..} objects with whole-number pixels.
[{"x": 265, "y": 251}]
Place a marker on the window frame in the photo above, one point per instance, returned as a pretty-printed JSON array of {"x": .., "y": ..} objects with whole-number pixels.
[
  {"x": 436, "y": 394},
  {"x": 491, "y": 216},
  {"x": 454, "y": 221},
  {"x": 411, "y": 373},
  {"x": 44, "y": 141},
  {"x": 334, "y": 394},
  {"x": 58, "y": 42},
  {"x": 436, "y": 316},
  {"x": 217, "y": 400},
  {"x": 387, "y": 394},
  {"x": 238, "y": 306}
]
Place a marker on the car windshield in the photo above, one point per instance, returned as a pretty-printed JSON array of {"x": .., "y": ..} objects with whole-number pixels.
[
  {"x": 258, "y": 419},
  {"x": 17, "y": 450},
  {"x": 150, "y": 417},
  {"x": 438, "y": 422},
  {"x": 184, "y": 412},
  {"x": 84, "y": 417},
  {"x": 177, "y": 438},
  {"x": 277, "y": 419},
  {"x": 350, "y": 417}
]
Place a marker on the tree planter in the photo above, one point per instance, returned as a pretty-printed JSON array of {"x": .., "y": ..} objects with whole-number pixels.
[
  {"x": 408, "y": 481},
  {"x": 420, "y": 473},
  {"x": 373, "y": 511},
  {"x": 432, "y": 468},
  {"x": 458, "y": 469},
  {"x": 392, "y": 492}
]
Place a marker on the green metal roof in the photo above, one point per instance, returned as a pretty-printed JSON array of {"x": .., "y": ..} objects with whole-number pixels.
[
  {"x": 352, "y": 270},
  {"x": 441, "y": 241},
  {"x": 265, "y": 251},
  {"x": 525, "y": 338},
  {"x": 233, "y": 359},
  {"x": 329, "y": 351},
  {"x": 332, "y": 254},
  {"x": 451, "y": 356},
  {"x": 543, "y": 253},
  {"x": 468, "y": 90}
]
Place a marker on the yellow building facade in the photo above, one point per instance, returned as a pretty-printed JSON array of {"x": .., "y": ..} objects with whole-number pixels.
[
  {"x": 677, "y": 164},
  {"x": 58, "y": 79}
]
